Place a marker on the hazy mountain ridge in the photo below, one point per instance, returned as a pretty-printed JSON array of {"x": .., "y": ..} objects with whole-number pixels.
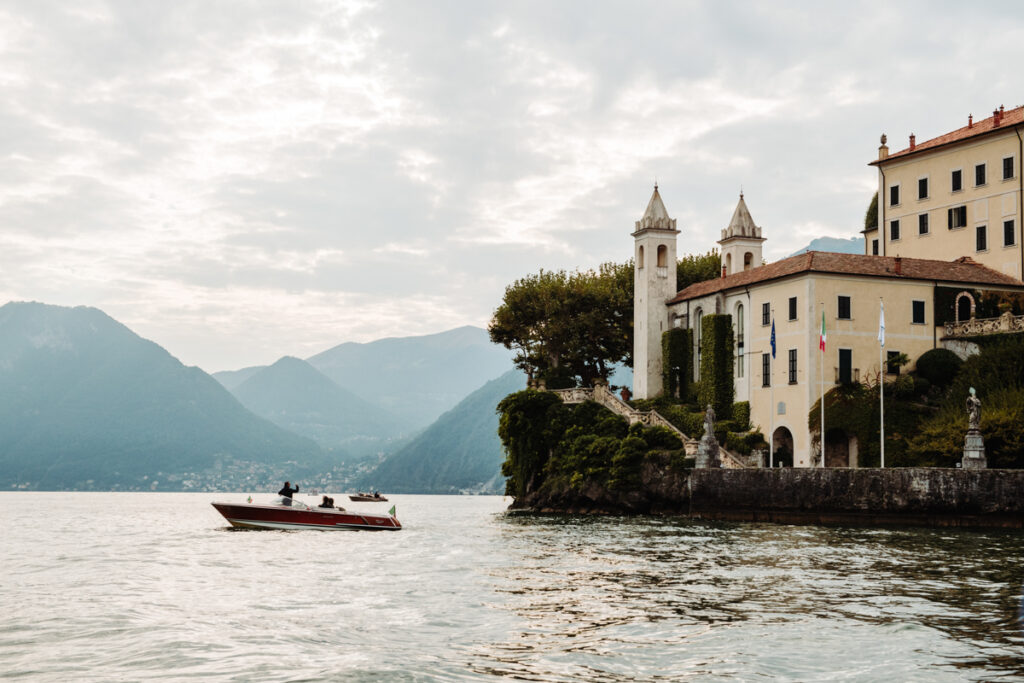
[
  {"x": 460, "y": 452},
  {"x": 416, "y": 377},
  {"x": 851, "y": 245},
  {"x": 88, "y": 403},
  {"x": 294, "y": 395}
]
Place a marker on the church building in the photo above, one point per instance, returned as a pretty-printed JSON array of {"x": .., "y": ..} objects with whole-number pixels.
[{"x": 783, "y": 382}]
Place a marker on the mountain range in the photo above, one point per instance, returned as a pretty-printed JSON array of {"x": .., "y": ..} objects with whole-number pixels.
[{"x": 88, "y": 404}]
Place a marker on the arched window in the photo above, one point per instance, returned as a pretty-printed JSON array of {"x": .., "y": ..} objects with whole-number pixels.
[
  {"x": 640, "y": 257},
  {"x": 739, "y": 340},
  {"x": 748, "y": 261},
  {"x": 662, "y": 256},
  {"x": 728, "y": 264}
]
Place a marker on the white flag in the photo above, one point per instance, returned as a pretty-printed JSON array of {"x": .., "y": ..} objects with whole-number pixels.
[{"x": 881, "y": 323}]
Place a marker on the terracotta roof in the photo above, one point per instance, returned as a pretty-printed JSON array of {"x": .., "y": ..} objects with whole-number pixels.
[
  {"x": 964, "y": 269},
  {"x": 1010, "y": 118}
]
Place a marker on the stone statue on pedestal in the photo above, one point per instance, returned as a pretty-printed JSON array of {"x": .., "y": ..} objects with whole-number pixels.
[
  {"x": 707, "y": 449},
  {"x": 974, "y": 445}
]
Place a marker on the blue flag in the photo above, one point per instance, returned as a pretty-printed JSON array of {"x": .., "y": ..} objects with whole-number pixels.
[{"x": 773, "y": 339}]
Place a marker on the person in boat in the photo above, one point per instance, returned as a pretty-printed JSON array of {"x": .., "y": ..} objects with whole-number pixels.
[
  {"x": 327, "y": 502},
  {"x": 287, "y": 492}
]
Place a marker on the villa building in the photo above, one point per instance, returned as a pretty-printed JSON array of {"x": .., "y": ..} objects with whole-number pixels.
[
  {"x": 920, "y": 293},
  {"x": 959, "y": 193}
]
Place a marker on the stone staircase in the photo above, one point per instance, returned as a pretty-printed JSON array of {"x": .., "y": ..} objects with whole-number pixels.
[{"x": 602, "y": 395}]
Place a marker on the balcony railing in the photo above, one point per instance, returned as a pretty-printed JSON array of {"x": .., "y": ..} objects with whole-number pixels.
[{"x": 1007, "y": 322}]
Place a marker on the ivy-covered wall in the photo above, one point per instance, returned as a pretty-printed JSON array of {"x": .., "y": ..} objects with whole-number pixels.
[
  {"x": 716, "y": 365},
  {"x": 677, "y": 364}
]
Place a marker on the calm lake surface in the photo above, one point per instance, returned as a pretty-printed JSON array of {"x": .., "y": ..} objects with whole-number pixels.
[{"x": 151, "y": 586}]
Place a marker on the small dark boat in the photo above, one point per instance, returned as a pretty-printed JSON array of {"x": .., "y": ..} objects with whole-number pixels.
[
  {"x": 361, "y": 497},
  {"x": 280, "y": 515}
]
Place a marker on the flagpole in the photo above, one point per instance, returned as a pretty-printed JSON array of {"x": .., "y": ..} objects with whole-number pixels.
[
  {"x": 823, "y": 343},
  {"x": 771, "y": 390},
  {"x": 881, "y": 382}
]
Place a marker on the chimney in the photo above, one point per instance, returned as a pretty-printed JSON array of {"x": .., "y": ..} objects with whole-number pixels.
[
  {"x": 723, "y": 271},
  {"x": 996, "y": 118},
  {"x": 883, "y": 150},
  {"x": 899, "y": 265},
  {"x": 913, "y": 141},
  {"x": 970, "y": 120}
]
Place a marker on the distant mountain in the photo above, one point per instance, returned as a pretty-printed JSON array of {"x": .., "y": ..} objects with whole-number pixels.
[
  {"x": 232, "y": 378},
  {"x": 416, "y": 377},
  {"x": 87, "y": 403},
  {"x": 294, "y": 395},
  {"x": 460, "y": 452},
  {"x": 853, "y": 245}
]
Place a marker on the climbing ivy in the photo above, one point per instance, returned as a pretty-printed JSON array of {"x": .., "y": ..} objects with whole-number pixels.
[
  {"x": 716, "y": 385},
  {"x": 676, "y": 363}
]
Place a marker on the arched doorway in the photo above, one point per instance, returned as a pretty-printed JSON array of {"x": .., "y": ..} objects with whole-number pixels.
[
  {"x": 782, "y": 441},
  {"x": 840, "y": 449}
]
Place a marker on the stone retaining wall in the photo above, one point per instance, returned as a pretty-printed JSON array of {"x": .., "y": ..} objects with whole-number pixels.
[{"x": 894, "y": 496}]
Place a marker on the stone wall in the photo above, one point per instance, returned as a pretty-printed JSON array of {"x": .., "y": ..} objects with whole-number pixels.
[{"x": 894, "y": 496}]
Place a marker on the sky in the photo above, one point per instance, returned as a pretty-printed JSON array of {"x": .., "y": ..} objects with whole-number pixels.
[{"x": 239, "y": 181}]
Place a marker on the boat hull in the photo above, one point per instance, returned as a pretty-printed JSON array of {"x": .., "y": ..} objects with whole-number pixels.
[{"x": 249, "y": 516}]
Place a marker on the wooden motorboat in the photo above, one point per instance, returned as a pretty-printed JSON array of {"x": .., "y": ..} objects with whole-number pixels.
[
  {"x": 284, "y": 513},
  {"x": 361, "y": 497}
]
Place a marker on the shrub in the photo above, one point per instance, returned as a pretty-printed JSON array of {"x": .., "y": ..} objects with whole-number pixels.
[
  {"x": 741, "y": 414},
  {"x": 939, "y": 366},
  {"x": 676, "y": 363}
]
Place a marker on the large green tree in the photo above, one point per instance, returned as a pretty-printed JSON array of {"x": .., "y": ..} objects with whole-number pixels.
[{"x": 575, "y": 327}]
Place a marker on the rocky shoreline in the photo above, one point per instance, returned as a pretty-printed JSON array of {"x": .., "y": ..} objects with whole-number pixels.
[{"x": 866, "y": 496}]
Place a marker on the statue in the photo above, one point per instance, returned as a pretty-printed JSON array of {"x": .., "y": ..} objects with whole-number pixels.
[
  {"x": 709, "y": 420},
  {"x": 974, "y": 445},
  {"x": 973, "y": 411}
]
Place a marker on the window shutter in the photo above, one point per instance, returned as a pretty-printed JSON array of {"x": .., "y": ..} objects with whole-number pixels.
[{"x": 950, "y": 219}]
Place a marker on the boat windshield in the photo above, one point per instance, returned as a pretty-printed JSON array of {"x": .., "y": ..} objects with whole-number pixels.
[{"x": 289, "y": 502}]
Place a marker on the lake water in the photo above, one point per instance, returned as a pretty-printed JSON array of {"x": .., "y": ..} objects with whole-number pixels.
[{"x": 151, "y": 586}]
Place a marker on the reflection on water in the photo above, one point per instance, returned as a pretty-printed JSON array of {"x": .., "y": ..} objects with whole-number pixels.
[
  {"x": 663, "y": 599},
  {"x": 152, "y": 586}
]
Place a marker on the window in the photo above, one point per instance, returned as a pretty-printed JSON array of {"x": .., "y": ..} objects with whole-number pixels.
[
  {"x": 1007, "y": 168},
  {"x": 662, "y": 256},
  {"x": 918, "y": 312},
  {"x": 739, "y": 340},
  {"x": 792, "y": 308},
  {"x": 922, "y": 224},
  {"x": 698, "y": 318},
  {"x": 845, "y": 366},
  {"x": 766, "y": 369},
  {"x": 979, "y": 174},
  {"x": 957, "y": 180},
  {"x": 844, "y": 308},
  {"x": 792, "y": 366},
  {"x": 874, "y": 247},
  {"x": 766, "y": 314},
  {"x": 981, "y": 238},
  {"x": 1009, "y": 234},
  {"x": 891, "y": 366},
  {"x": 640, "y": 258},
  {"x": 894, "y": 230},
  {"x": 922, "y": 188},
  {"x": 894, "y": 195},
  {"x": 957, "y": 217}
]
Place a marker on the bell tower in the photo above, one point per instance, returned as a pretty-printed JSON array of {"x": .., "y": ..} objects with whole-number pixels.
[
  {"x": 654, "y": 283},
  {"x": 741, "y": 242}
]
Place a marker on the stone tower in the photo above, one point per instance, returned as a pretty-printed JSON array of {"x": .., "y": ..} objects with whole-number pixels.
[
  {"x": 741, "y": 241},
  {"x": 654, "y": 283}
]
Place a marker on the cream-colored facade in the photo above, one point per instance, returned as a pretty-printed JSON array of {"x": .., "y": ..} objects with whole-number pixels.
[
  {"x": 794, "y": 294},
  {"x": 956, "y": 195}
]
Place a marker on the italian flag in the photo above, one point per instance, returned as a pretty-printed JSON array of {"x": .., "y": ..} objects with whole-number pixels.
[{"x": 821, "y": 339}]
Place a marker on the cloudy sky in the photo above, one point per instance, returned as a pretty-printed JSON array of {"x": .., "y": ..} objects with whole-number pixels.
[{"x": 243, "y": 180}]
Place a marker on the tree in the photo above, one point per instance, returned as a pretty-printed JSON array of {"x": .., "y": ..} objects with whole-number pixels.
[
  {"x": 564, "y": 325},
  {"x": 871, "y": 217},
  {"x": 698, "y": 268}
]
